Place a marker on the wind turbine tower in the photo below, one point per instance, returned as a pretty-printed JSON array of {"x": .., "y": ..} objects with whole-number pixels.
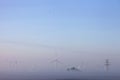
[{"x": 107, "y": 64}]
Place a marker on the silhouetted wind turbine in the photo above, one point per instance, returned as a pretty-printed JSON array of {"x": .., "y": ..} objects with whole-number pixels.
[
  {"x": 107, "y": 64},
  {"x": 15, "y": 62},
  {"x": 56, "y": 61}
]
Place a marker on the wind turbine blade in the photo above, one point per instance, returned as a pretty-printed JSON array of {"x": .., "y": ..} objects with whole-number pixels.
[{"x": 56, "y": 61}]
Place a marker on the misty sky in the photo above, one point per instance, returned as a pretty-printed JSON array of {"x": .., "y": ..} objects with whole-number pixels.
[{"x": 78, "y": 32}]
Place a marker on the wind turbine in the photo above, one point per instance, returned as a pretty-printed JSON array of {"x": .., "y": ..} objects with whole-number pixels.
[
  {"x": 56, "y": 60},
  {"x": 107, "y": 64},
  {"x": 15, "y": 62}
]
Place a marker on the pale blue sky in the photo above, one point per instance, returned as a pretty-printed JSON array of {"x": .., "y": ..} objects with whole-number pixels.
[
  {"x": 61, "y": 21},
  {"x": 77, "y": 24}
]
